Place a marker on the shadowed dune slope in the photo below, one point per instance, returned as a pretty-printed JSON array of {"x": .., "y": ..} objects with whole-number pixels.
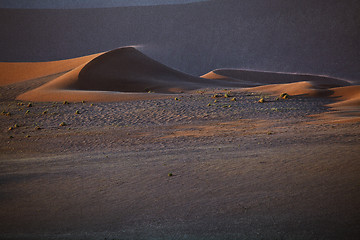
[
  {"x": 128, "y": 70},
  {"x": 315, "y": 37},
  {"x": 13, "y": 72},
  {"x": 120, "y": 74}
]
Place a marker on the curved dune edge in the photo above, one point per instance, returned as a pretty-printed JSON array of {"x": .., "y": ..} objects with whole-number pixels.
[
  {"x": 13, "y": 72},
  {"x": 119, "y": 75}
]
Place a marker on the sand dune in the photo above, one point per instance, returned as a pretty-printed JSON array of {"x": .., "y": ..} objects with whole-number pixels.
[
  {"x": 121, "y": 74},
  {"x": 127, "y": 74},
  {"x": 12, "y": 72}
]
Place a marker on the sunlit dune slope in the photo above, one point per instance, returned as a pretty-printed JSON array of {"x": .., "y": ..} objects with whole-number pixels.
[
  {"x": 12, "y": 72},
  {"x": 347, "y": 96}
]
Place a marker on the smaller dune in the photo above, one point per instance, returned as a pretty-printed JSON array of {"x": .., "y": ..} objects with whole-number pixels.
[
  {"x": 296, "y": 88},
  {"x": 13, "y": 72},
  {"x": 257, "y": 78}
]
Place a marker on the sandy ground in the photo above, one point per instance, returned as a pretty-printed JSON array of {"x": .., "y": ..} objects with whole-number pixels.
[{"x": 241, "y": 169}]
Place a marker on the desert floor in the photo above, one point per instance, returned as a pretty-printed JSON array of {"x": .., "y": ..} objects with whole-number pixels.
[{"x": 240, "y": 169}]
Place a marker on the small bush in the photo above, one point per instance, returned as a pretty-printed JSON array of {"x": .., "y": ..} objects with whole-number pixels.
[
  {"x": 284, "y": 96},
  {"x": 217, "y": 96},
  {"x": 62, "y": 124}
]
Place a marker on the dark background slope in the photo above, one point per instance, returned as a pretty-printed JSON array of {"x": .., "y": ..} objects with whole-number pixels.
[
  {"x": 317, "y": 37},
  {"x": 68, "y": 4}
]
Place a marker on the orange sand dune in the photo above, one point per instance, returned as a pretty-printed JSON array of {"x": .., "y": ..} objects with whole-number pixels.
[
  {"x": 346, "y": 96},
  {"x": 347, "y": 105},
  {"x": 297, "y": 88},
  {"x": 12, "y": 72},
  {"x": 253, "y": 78},
  {"x": 108, "y": 76}
]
